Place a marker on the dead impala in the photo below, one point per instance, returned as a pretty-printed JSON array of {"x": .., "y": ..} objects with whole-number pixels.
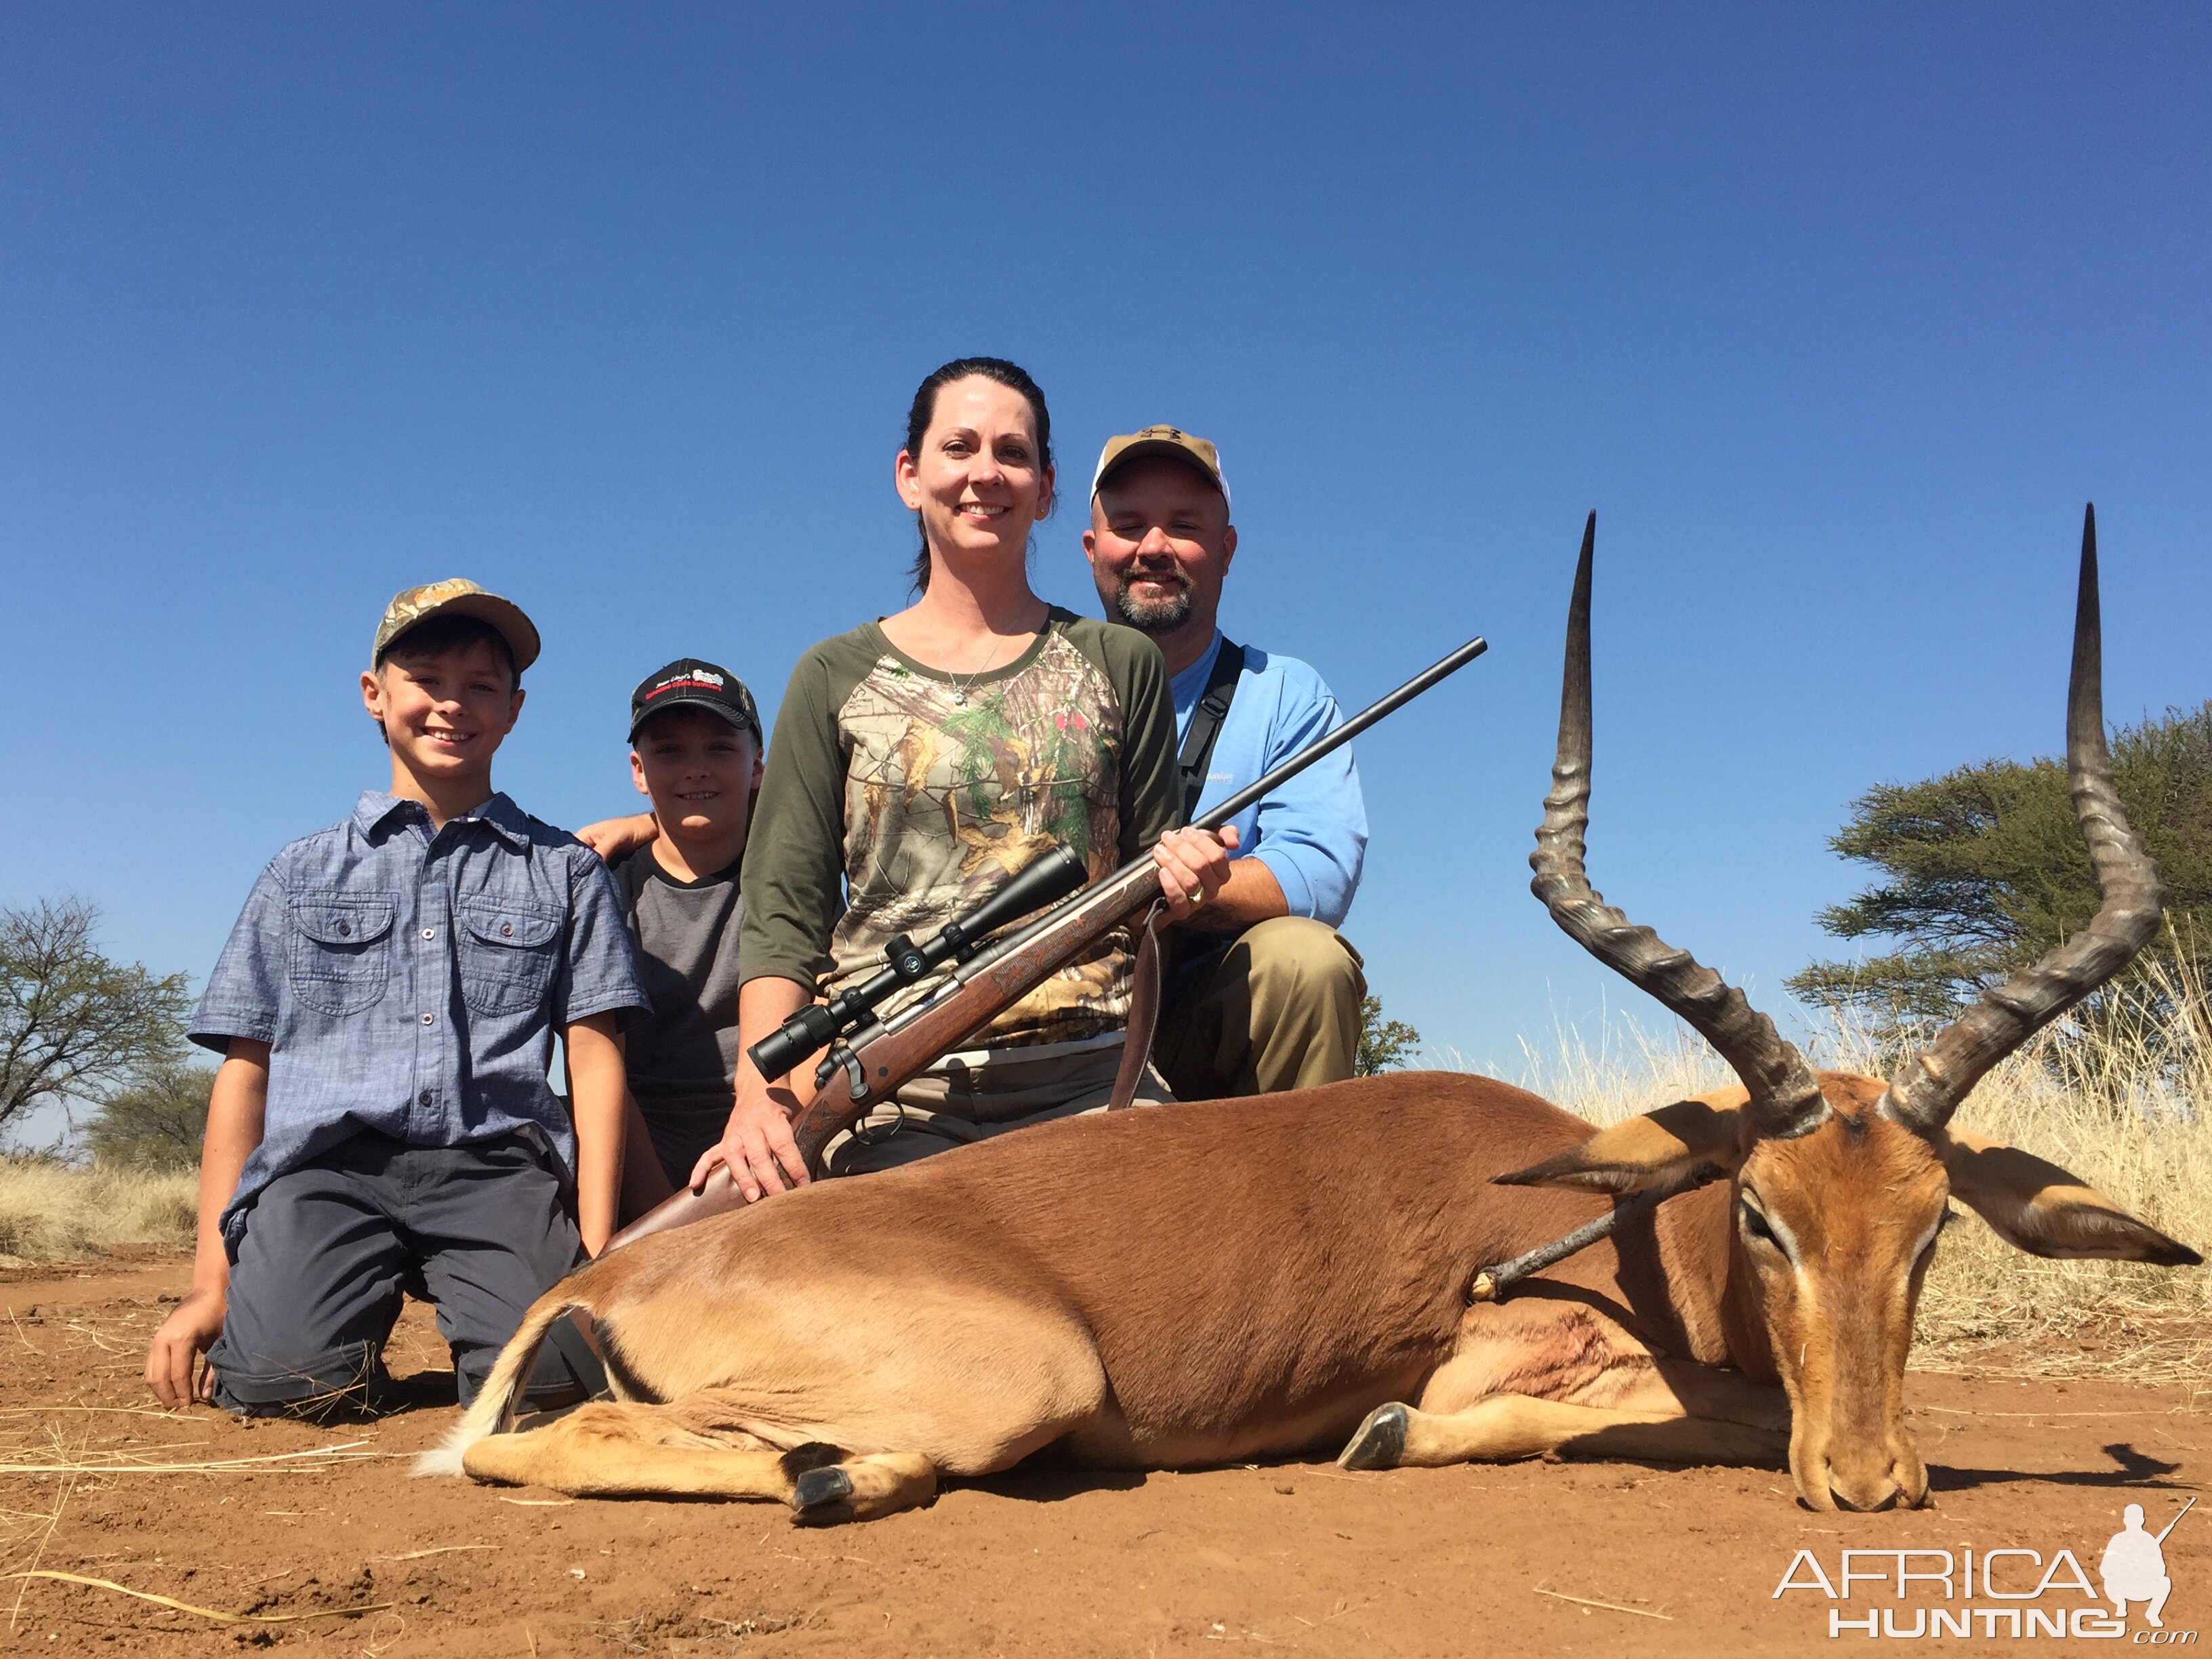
[{"x": 1253, "y": 1278}]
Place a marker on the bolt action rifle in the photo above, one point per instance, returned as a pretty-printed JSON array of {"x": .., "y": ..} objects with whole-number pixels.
[{"x": 869, "y": 1057}]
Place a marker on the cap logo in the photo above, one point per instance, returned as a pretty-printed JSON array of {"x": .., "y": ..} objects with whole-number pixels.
[{"x": 698, "y": 679}]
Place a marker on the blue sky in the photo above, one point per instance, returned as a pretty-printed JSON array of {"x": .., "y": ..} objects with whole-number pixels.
[{"x": 1837, "y": 315}]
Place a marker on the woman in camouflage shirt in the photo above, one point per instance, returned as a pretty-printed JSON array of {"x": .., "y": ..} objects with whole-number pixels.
[{"x": 919, "y": 760}]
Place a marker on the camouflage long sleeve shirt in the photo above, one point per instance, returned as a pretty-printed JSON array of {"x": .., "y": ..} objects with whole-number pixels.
[{"x": 898, "y": 797}]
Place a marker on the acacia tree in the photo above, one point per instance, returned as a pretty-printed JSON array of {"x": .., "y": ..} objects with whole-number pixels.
[
  {"x": 1984, "y": 870},
  {"x": 158, "y": 1121},
  {"x": 1385, "y": 1044},
  {"x": 73, "y": 1024}
]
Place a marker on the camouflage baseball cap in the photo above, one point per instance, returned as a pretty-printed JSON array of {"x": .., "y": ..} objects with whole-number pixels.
[{"x": 459, "y": 597}]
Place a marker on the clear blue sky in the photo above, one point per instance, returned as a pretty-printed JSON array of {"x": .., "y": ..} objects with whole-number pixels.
[{"x": 1836, "y": 315}]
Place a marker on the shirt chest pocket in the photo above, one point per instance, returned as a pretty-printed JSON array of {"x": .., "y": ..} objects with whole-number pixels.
[
  {"x": 341, "y": 951},
  {"x": 508, "y": 951}
]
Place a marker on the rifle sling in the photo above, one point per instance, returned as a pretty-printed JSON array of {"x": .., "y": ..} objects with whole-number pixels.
[
  {"x": 1145, "y": 979},
  {"x": 1205, "y": 723},
  {"x": 1144, "y": 1012}
]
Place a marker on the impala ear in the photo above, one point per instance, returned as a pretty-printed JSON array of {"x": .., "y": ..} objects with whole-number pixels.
[
  {"x": 2039, "y": 1207},
  {"x": 1656, "y": 1150}
]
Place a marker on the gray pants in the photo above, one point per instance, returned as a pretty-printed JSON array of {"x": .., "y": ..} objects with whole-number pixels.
[{"x": 331, "y": 1249}]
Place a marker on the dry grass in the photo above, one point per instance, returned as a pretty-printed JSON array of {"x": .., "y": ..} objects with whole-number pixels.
[
  {"x": 51, "y": 1213},
  {"x": 2130, "y": 1112}
]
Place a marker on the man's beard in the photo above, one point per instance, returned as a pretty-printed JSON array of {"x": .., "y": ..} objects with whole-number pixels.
[{"x": 1161, "y": 616}]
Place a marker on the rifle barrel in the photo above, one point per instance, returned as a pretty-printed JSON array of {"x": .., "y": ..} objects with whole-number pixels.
[
  {"x": 1252, "y": 794},
  {"x": 975, "y": 967},
  {"x": 2175, "y": 1521}
]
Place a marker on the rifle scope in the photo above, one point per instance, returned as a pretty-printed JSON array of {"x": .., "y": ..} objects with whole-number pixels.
[{"x": 1044, "y": 880}]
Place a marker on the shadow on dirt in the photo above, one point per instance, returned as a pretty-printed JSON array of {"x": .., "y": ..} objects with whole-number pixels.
[
  {"x": 1026, "y": 1484},
  {"x": 2134, "y": 1469}
]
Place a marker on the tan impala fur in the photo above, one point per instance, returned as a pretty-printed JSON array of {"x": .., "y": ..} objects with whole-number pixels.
[
  {"x": 1222, "y": 1282},
  {"x": 1248, "y": 1279}
]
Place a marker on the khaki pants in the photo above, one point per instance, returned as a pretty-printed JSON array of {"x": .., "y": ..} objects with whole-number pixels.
[
  {"x": 1280, "y": 1010},
  {"x": 967, "y": 1098}
]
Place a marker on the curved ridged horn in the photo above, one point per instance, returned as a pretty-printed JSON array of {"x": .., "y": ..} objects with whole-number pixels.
[
  {"x": 1785, "y": 1099},
  {"x": 1928, "y": 1087}
]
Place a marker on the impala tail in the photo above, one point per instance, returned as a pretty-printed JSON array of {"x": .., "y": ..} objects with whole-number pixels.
[{"x": 496, "y": 1406}]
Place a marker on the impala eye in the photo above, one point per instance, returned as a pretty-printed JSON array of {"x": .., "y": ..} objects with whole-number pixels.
[
  {"x": 1942, "y": 1221},
  {"x": 1755, "y": 1225}
]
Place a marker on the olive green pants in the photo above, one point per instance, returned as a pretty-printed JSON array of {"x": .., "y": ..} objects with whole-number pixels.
[{"x": 1279, "y": 1009}]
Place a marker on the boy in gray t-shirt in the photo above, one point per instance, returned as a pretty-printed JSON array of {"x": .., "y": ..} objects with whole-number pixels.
[{"x": 695, "y": 748}]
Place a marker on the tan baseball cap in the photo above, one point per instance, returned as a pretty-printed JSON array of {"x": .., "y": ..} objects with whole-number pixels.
[
  {"x": 459, "y": 597},
  {"x": 1161, "y": 441}
]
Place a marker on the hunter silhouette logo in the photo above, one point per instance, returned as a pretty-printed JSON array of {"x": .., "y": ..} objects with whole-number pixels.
[
  {"x": 2005, "y": 1592},
  {"x": 2133, "y": 1565}
]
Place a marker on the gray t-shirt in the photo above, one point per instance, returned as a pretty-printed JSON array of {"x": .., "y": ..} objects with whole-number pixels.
[{"x": 683, "y": 1056}]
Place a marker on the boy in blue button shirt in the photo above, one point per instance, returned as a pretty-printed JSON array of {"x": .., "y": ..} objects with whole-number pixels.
[{"x": 387, "y": 1007}]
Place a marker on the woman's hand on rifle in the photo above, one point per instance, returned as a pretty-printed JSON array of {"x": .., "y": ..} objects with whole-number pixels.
[
  {"x": 1193, "y": 866},
  {"x": 756, "y": 1144}
]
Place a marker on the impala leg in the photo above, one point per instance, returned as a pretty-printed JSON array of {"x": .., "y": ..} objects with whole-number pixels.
[
  {"x": 862, "y": 1488},
  {"x": 1507, "y": 1426},
  {"x": 612, "y": 1450},
  {"x": 1532, "y": 1377},
  {"x": 608, "y": 1449}
]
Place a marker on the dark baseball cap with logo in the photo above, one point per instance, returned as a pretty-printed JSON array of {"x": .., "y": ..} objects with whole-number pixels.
[{"x": 689, "y": 683}]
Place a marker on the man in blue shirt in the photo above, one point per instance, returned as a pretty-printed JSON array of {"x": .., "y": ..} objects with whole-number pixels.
[
  {"x": 1272, "y": 1002},
  {"x": 386, "y": 1008}
]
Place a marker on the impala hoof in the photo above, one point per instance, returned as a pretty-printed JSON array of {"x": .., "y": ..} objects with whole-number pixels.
[
  {"x": 1379, "y": 1443},
  {"x": 820, "y": 1496}
]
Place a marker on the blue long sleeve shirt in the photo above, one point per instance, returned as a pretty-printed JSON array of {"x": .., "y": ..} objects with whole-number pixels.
[{"x": 1312, "y": 832}]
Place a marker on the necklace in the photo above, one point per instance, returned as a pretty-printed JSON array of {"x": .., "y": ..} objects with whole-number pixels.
[{"x": 961, "y": 687}]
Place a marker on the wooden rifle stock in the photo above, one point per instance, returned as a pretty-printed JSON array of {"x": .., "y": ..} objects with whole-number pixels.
[
  {"x": 883, "y": 1057},
  {"x": 872, "y": 1064}
]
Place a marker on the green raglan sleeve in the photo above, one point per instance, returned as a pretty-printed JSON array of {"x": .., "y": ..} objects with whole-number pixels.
[
  {"x": 795, "y": 856},
  {"x": 1152, "y": 782}
]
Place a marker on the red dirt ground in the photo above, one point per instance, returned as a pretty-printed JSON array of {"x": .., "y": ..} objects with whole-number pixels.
[{"x": 1297, "y": 1556}]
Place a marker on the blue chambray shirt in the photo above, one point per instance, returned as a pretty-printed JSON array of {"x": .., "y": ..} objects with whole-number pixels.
[{"x": 413, "y": 983}]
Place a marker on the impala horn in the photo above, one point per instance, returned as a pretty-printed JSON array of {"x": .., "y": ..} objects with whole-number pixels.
[
  {"x": 1785, "y": 1099},
  {"x": 1928, "y": 1087}
]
